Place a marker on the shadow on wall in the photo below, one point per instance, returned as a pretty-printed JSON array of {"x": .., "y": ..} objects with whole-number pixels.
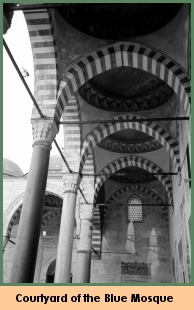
[{"x": 146, "y": 242}]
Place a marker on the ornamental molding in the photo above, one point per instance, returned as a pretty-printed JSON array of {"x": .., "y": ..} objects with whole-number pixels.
[
  {"x": 143, "y": 269},
  {"x": 70, "y": 183},
  {"x": 120, "y": 147},
  {"x": 44, "y": 131},
  {"x": 152, "y": 100}
]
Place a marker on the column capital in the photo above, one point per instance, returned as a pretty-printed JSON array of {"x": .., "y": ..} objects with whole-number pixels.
[
  {"x": 44, "y": 131},
  {"x": 70, "y": 183}
]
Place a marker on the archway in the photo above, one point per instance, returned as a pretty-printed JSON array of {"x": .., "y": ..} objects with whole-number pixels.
[
  {"x": 129, "y": 55},
  {"x": 137, "y": 161},
  {"x": 50, "y": 275},
  {"x": 154, "y": 130},
  {"x": 136, "y": 188},
  {"x": 15, "y": 209}
]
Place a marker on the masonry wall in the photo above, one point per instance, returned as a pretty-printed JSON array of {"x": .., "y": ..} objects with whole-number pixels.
[
  {"x": 180, "y": 215},
  {"x": 146, "y": 241}
]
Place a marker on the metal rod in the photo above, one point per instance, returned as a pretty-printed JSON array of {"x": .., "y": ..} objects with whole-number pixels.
[
  {"x": 57, "y": 146},
  {"x": 37, "y": 107},
  {"x": 82, "y": 195},
  {"x": 22, "y": 78},
  {"x": 114, "y": 121},
  {"x": 24, "y": 7},
  {"x": 143, "y": 204},
  {"x": 70, "y": 171},
  {"x": 9, "y": 239},
  {"x": 124, "y": 174},
  {"x": 94, "y": 251}
]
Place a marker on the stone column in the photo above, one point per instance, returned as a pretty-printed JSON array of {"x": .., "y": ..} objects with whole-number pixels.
[
  {"x": 27, "y": 241},
  {"x": 65, "y": 245},
  {"x": 85, "y": 244}
]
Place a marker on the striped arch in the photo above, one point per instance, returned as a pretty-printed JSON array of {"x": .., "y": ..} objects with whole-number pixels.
[
  {"x": 15, "y": 212},
  {"x": 44, "y": 50},
  {"x": 152, "y": 129},
  {"x": 136, "y": 161},
  {"x": 127, "y": 54},
  {"x": 7, "y": 235},
  {"x": 138, "y": 188}
]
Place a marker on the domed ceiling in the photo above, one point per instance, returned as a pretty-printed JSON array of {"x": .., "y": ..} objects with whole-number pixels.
[
  {"x": 130, "y": 141},
  {"x": 115, "y": 21},
  {"x": 125, "y": 89},
  {"x": 133, "y": 175}
]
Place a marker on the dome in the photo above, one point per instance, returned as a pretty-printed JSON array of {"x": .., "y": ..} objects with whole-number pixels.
[
  {"x": 56, "y": 162},
  {"x": 10, "y": 168}
]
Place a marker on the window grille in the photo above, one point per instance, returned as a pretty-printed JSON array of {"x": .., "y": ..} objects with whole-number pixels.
[{"x": 134, "y": 209}]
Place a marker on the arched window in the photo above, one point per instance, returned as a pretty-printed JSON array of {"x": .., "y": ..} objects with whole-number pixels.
[{"x": 134, "y": 209}]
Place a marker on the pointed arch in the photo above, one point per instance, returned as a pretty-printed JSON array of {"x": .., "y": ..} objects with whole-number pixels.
[
  {"x": 136, "y": 188},
  {"x": 152, "y": 129},
  {"x": 136, "y": 161},
  {"x": 14, "y": 211},
  {"x": 127, "y": 54}
]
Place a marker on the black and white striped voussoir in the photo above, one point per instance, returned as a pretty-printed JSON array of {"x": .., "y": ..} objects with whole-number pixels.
[
  {"x": 135, "y": 161},
  {"x": 130, "y": 55},
  {"x": 136, "y": 188}
]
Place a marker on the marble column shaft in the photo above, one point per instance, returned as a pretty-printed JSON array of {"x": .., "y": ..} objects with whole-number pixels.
[
  {"x": 83, "y": 264},
  {"x": 65, "y": 244},
  {"x": 28, "y": 234}
]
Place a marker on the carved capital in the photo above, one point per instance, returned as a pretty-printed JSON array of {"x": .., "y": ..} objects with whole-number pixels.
[
  {"x": 70, "y": 183},
  {"x": 44, "y": 131}
]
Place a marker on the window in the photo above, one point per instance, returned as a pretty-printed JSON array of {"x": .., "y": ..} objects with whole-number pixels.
[{"x": 134, "y": 209}]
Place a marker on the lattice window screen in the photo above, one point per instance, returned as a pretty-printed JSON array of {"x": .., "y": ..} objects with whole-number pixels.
[{"x": 134, "y": 209}]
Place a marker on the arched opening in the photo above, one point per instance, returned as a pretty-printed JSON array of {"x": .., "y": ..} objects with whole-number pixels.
[
  {"x": 133, "y": 161},
  {"x": 50, "y": 275},
  {"x": 134, "y": 209},
  {"x": 127, "y": 55},
  {"x": 150, "y": 128}
]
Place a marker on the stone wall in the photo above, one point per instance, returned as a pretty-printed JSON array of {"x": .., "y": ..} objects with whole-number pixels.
[
  {"x": 146, "y": 241},
  {"x": 180, "y": 216}
]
